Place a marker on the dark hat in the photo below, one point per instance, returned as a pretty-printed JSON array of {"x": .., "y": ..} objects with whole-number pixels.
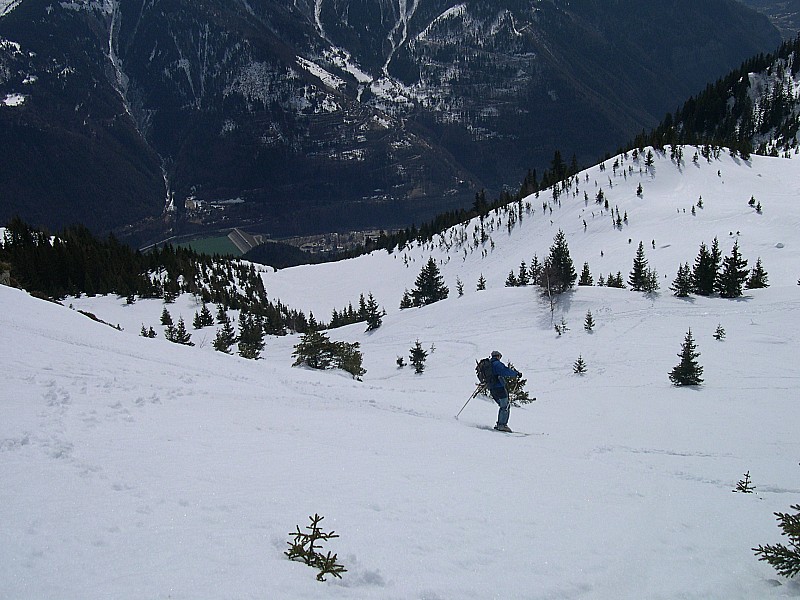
[{"x": 496, "y": 354}]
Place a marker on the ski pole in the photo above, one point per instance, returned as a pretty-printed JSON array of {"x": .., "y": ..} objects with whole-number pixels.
[{"x": 475, "y": 393}]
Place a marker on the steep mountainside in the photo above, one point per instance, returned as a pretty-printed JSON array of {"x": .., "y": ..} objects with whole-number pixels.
[
  {"x": 755, "y": 108},
  {"x": 785, "y": 14},
  {"x": 330, "y": 115}
]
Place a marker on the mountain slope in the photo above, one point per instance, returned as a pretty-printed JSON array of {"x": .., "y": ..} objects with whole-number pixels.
[
  {"x": 135, "y": 467},
  {"x": 336, "y": 115}
]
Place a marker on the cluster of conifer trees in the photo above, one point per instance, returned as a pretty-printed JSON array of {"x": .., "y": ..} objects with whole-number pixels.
[{"x": 75, "y": 262}]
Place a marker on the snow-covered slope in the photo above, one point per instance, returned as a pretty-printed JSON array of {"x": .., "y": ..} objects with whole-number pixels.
[{"x": 136, "y": 468}]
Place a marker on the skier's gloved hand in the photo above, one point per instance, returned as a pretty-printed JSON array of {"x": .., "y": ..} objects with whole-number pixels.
[{"x": 519, "y": 374}]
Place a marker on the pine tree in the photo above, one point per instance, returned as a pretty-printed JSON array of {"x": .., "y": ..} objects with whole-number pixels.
[
  {"x": 558, "y": 274},
  {"x": 511, "y": 280},
  {"x": 482, "y": 283},
  {"x": 588, "y": 322},
  {"x": 222, "y": 315},
  {"x": 459, "y": 287},
  {"x": 181, "y": 336},
  {"x": 166, "y": 318},
  {"x": 785, "y": 559},
  {"x": 406, "y": 301},
  {"x": 579, "y": 367},
  {"x": 651, "y": 281},
  {"x": 683, "y": 285},
  {"x": 535, "y": 271},
  {"x": 758, "y": 277},
  {"x": 373, "y": 313},
  {"x": 314, "y": 350},
  {"x": 586, "y": 276},
  {"x": 704, "y": 274},
  {"x": 226, "y": 336},
  {"x": 688, "y": 371},
  {"x": 417, "y": 357},
  {"x": 734, "y": 273},
  {"x": 203, "y": 318},
  {"x": 719, "y": 333},
  {"x": 251, "y": 336},
  {"x": 638, "y": 276},
  {"x": 430, "y": 285},
  {"x": 522, "y": 278}
]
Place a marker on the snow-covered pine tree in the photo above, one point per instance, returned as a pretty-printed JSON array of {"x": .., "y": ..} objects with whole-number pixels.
[
  {"x": 579, "y": 367},
  {"x": 719, "y": 333},
  {"x": 482, "y": 283},
  {"x": 688, "y": 371}
]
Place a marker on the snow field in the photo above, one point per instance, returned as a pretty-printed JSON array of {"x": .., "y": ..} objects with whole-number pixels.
[{"x": 138, "y": 468}]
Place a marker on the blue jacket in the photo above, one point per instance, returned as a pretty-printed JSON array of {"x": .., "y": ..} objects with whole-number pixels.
[{"x": 501, "y": 372}]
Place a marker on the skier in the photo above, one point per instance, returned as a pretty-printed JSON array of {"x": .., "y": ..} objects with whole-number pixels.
[{"x": 499, "y": 392}]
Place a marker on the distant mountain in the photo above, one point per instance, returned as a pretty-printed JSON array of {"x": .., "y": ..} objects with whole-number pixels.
[
  {"x": 755, "y": 108},
  {"x": 172, "y": 117},
  {"x": 785, "y": 14}
]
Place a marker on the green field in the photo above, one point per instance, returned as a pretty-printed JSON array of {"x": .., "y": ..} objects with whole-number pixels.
[{"x": 212, "y": 245}]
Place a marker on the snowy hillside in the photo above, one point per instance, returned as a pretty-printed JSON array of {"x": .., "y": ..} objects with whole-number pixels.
[{"x": 135, "y": 468}]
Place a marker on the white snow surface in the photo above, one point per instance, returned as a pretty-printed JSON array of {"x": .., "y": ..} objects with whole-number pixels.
[{"x": 135, "y": 468}]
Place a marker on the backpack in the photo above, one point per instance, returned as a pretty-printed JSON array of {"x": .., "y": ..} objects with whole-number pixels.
[{"x": 485, "y": 373}]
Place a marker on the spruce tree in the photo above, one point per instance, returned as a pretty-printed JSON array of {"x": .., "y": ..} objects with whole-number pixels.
[
  {"x": 558, "y": 274},
  {"x": 682, "y": 286},
  {"x": 731, "y": 279},
  {"x": 406, "y": 301},
  {"x": 511, "y": 280},
  {"x": 482, "y": 283},
  {"x": 430, "y": 285},
  {"x": 181, "y": 336},
  {"x": 588, "y": 322},
  {"x": 226, "y": 336},
  {"x": 251, "y": 336},
  {"x": 638, "y": 276},
  {"x": 373, "y": 313},
  {"x": 758, "y": 277},
  {"x": 704, "y": 274},
  {"x": 579, "y": 367},
  {"x": 417, "y": 356},
  {"x": 586, "y": 276},
  {"x": 688, "y": 371},
  {"x": 166, "y": 318}
]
